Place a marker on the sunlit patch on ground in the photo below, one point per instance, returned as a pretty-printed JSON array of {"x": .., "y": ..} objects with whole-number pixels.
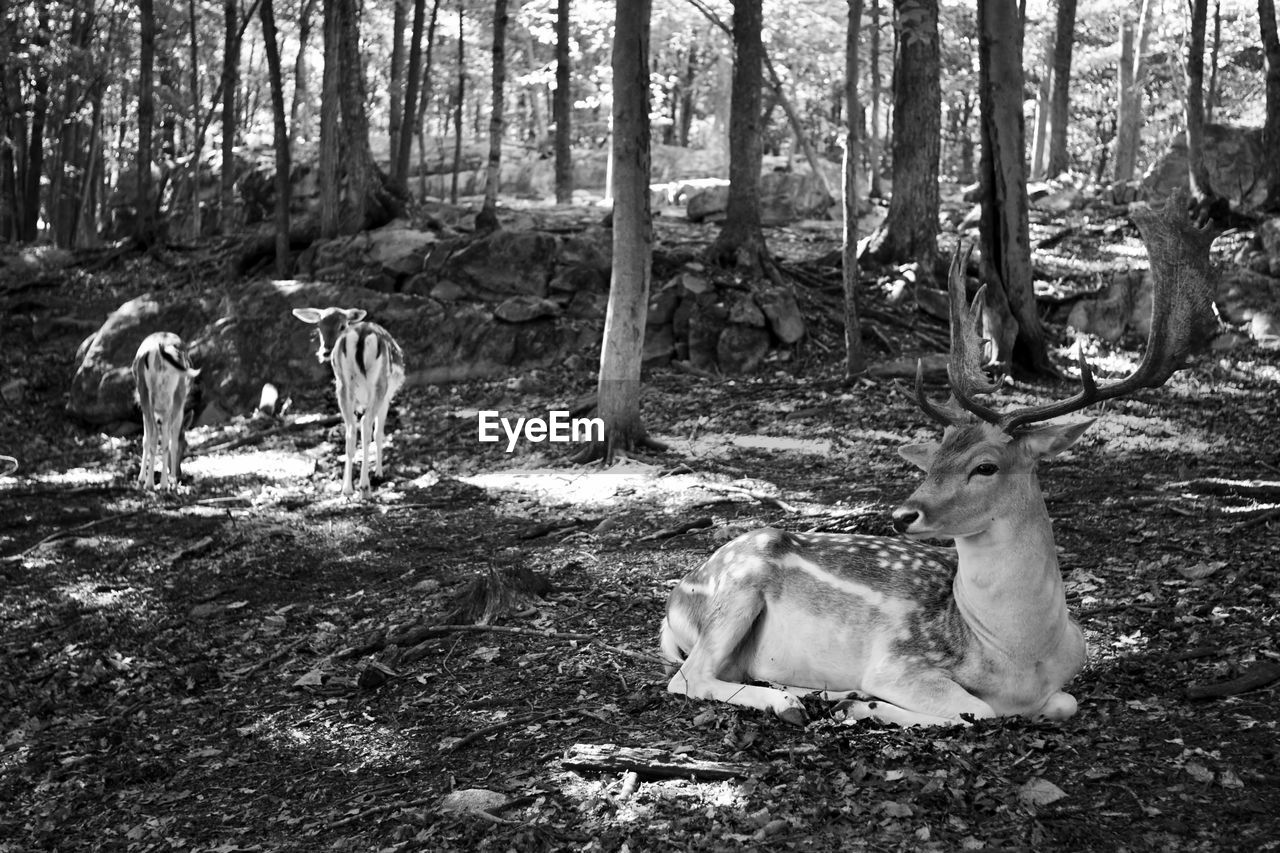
[
  {"x": 71, "y": 477},
  {"x": 273, "y": 465},
  {"x": 600, "y": 805},
  {"x": 719, "y": 445},
  {"x": 359, "y": 748}
]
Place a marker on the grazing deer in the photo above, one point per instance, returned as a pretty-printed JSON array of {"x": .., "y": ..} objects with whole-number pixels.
[
  {"x": 930, "y": 634},
  {"x": 164, "y": 376},
  {"x": 368, "y": 366}
]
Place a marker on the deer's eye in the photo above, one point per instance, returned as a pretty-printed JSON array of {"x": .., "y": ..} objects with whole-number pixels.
[{"x": 986, "y": 469}]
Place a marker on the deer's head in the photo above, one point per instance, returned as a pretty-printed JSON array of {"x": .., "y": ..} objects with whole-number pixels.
[{"x": 331, "y": 323}]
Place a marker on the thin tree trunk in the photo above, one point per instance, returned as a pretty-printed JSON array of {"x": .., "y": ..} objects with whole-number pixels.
[
  {"x": 363, "y": 181},
  {"x": 562, "y": 105},
  {"x": 396, "y": 87},
  {"x": 854, "y": 360},
  {"x": 1006, "y": 246},
  {"x": 875, "y": 190},
  {"x": 1060, "y": 113},
  {"x": 424, "y": 102},
  {"x": 10, "y": 104},
  {"x": 276, "y": 73},
  {"x": 623, "y": 347},
  {"x": 330, "y": 139},
  {"x": 230, "y": 83},
  {"x": 300, "y": 108},
  {"x": 487, "y": 219},
  {"x": 1212, "y": 101},
  {"x": 197, "y": 132},
  {"x": 741, "y": 239},
  {"x": 1197, "y": 168},
  {"x": 1129, "y": 116},
  {"x": 1271, "y": 129},
  {"x": 145, "y": 225},
  {"x": 457, "y": 114},
  {"x": 409, "y": 124},
  {"x": 1044, "y": 93}
]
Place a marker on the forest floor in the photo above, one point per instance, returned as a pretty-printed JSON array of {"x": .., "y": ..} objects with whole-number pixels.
[{"x": 255, "y": 663}]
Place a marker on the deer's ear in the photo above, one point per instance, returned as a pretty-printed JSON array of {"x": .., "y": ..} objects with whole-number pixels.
[
  {"x": 919, "y": 455},
  {"x": 1045, "y": 440},
  {"x": 307, "y": 315},
  {"x": 355, "y": 315}
]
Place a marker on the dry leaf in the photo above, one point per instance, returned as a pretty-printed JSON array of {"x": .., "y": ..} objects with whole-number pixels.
[
  {"x": 1040, "y": 792},
  {"x": 1200, "y": 570},
  {"x": 1199, "y": 772}
]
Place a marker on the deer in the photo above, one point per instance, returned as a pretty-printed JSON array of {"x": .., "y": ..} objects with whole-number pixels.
[
  {"x": 164, "y": 377},
  {"x": 368, "y": 369},
  {"x": 910, "y": 634}
]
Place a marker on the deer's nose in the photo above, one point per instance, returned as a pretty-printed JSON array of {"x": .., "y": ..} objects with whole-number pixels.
[{"x": 903, "y": 518}]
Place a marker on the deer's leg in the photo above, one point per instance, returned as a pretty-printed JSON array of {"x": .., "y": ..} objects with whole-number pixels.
[
  {"x": 380, "y": 427},
  {"x": 731, "y": 619},
  {"x": 366, "y": 426},
  {"x": 913, "y": 698},
  {"x": 146, "y": 476},
  {"x": 173, "y": 444},
  {"x": 347, "y": 406}
]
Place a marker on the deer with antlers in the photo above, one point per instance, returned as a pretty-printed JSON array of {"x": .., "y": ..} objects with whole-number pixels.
[{"x": 916, "y": 635}]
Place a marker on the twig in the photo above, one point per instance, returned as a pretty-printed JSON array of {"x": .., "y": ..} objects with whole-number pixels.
[
  {"x": 768, "y": 500},
  {"x": 64, "y": 533},
  {"x": 678, "y": 530},
  {"x": 1261, "y": 518},
  {"x": 508, "y": 723},
  {"x": 267, "y": 661},
  {"x": 385, "y": 807},
  {"x": 1259, "y": 675}
]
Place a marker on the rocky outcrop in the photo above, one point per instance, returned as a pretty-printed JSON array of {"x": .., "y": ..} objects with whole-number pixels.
[{"x": 1233, "y": 156}]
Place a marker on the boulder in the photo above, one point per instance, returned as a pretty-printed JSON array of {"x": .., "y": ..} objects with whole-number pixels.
[
  {"x": 741, "y": 349},
  {"x": 504, "y": 263},
  {"x": 783, "y": 313},
  {"x": 1234, "y": 157},
  {"x": 1118, "y": 309}
]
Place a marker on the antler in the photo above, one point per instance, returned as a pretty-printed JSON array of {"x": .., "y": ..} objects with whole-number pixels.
[{"x": 1183, "y": 321}]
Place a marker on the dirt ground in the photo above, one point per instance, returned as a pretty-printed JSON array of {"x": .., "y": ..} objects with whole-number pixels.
[{"x": 255, "y": 663}]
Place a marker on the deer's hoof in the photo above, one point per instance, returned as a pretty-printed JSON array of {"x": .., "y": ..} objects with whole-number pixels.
[{"x": 793, "y": 714}]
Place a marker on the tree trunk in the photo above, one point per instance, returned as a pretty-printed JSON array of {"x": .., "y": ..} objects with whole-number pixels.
[
  {"x": 1060, "y": 111},
  {"x": 396, "y": 85},
  {"x": 230, "y": 84},
  {"x": 1044, "y": 94},
  {"x": 910, "y": 230},
  {"x": 409, "y": 123},
  {"x": 424, "y": 101},
  {"x": 874, "y": 189},
  {"x": 686, "y": 102},
  {"x": 327, "y": 168},
  {"x": 487, "y": 219},
  {"x": 1271, "y": 129},
  {"x": 623, "y": 348},
  {"x": 144, "y": 231},
  {"x": 1133, "y": 73},
  {"x": 300, "y": 108},
  {"x": 276, "y": 73},
  {"x": 197, "y": 131},
  {"x": 562, "y": 106},
  {"x": 457, "y": 111},
  {"x": 854, "y": 360},
  {"x": 1198, "y": 170},
  {"x": 10, "y": 105},
  {"x": 1211, "y": 102},
  {"x": 366, "y": 200},
  {"x": 1006, "y": 246},
  {"x": 741, "y": 239}
]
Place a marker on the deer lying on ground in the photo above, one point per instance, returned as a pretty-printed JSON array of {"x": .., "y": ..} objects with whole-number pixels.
[
  {"x": 368, "y": 366},
  {"x": 930, "y": 635},
  {"x": 163, "y": 373}
]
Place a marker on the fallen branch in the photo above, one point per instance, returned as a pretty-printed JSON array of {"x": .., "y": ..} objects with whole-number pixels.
[
  {"x": 1259, "y": 675},
  {"x": 508, "y": 723},
  {"x": 661, "y": 763},
  {"x": 267, "y": 661},
  {"x": 65, "y": 533},
  {"x": 767, "y": 500},
  {"x": 678, "y": 530},
  {"x": 385, "y": 807}
]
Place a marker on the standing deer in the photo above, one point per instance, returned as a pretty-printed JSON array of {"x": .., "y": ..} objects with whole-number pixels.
[
  {"x": 163, "y": 373},
  {"x": 929, "y": 634},
  {"x": 368, "y": 367}
]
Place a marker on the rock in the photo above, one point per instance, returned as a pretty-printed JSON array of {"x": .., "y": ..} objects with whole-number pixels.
[
  {"x": 1121, "y": 307},
  {"x": 522, "y": 309},
  {"x": 578, "y": 277},
  {"x": 659, "y": 344},
  {"x": 708, "y": 204},
  {"x": 662, "y": 306},
  {"x": 1060, "y": 200},
  {"x": 782, "y": 312},
  {"x": 1268, "y": 237},
  {"x": 743, "y": 310},
  {"x": 504, "y": 263},
  {"x": 1233, "y": 155},
  {"x": 705, "y": 323},
  {"x": 741, "y": 349}
]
